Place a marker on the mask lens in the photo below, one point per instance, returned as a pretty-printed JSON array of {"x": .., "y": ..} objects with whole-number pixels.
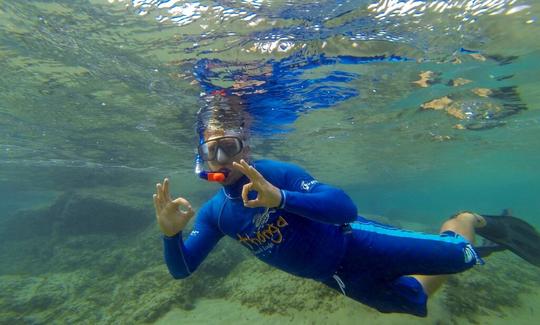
[
  {"x": 230, "y": 146},
  {"x": 208, "y": 150}
]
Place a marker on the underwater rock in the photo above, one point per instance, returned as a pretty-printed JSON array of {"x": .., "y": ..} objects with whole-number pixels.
[
  {"x": 459, "y": 82},
  {"x": 437, "y": 104},
  {"x": 456, "y": 112},
  {"x": 271, "y": 291},
  {"x": 478, "y": 56},
  {"x": 87, "y": 215},
  {"x": 480, "y": 108},
  {"x": 76, "y": 214},
  {"x": 113, "y": 284},
  {"x": 77, "y": 231},
  {"x": 152, "y": 292},
  {"x": 427, "y": 78},
  {"x": 38, "y": 299},
  {"x": 489, "y": 288},
  {"x": 105, "y": 278},
  {"x": 482, "y": 92}
]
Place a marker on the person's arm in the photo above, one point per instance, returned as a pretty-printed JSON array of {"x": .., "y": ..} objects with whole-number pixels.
[
  {"x": 181, "y": 258},
  {"x": 321, "y": 203},
  {"x": 296, "y": 191},
  {"x": 301, "y": 194},
  {"x": 172, "y": 217}
]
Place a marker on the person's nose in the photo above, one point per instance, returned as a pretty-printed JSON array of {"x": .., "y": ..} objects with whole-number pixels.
[{"x": 221, "y": 157}]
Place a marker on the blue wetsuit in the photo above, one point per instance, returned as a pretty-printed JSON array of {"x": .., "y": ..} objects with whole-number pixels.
[{"x": 316, "y": 233}]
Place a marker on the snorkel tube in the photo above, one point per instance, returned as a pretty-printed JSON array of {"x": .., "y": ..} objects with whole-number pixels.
[{"x": 210, "y": 176}]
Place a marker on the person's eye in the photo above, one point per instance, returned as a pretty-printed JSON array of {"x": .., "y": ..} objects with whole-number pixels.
[
  {"x": 211, "y": 146},
  {"x": 228, "y": 144},
  {"x": 232, "y": 147}
]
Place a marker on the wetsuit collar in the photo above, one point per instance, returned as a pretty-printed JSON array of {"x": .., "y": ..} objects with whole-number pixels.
[{"x": 234, "y": 191}]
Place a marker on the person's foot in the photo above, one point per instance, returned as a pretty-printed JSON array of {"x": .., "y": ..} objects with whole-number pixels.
[{"x": 477, "y": 220}]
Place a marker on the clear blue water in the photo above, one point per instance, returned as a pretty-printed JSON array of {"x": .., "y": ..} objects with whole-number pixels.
[{"x": 99, "y": 99}]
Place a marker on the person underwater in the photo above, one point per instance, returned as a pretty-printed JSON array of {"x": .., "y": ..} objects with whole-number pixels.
[{"x": 291, "y": 221}]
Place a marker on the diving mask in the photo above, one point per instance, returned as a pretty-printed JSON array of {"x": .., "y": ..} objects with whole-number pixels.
[{"x": 222, "y": 150}]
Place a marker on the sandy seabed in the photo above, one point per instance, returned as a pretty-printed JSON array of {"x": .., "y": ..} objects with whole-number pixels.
[
  {"x": 219, "y": 311},
  {"x": 57, "y": 271},
  {"x": 282, "y": 299}
]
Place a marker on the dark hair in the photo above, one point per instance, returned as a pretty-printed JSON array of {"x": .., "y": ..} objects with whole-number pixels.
[{"x": 220, "y": 111}]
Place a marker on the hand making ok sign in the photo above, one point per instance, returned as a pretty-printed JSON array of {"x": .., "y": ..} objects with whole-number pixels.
[{"x": 268, "y": 195}]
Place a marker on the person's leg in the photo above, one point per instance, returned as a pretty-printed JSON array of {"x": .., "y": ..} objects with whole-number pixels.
[
  {"x": 379, "y": 260},
  {"x": 463, "y": 224}
]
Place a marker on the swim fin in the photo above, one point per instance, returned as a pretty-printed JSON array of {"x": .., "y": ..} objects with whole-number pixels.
[
  {"x": 511, "y": 233},
  {"x": 487, "y": 248}
]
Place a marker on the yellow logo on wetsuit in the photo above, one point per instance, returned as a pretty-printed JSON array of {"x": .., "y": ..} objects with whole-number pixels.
[{"x": 272, "y": 233}]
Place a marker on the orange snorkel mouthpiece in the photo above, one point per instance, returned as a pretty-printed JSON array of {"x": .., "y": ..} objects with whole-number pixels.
[{"x": 216, "y": 177}]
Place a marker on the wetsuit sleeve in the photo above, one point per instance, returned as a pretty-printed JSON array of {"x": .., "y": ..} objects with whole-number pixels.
[
  {"x": 305, "y": 196},
  {"x": 183, "y": 258},
  {"x": 324, "y": 203}
]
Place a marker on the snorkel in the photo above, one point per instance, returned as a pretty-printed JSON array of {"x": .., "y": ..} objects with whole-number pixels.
[{"x": 210, "y": 176}]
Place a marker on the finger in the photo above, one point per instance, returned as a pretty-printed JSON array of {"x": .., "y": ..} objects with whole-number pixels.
[
  {"x": 156, "y": 203},
  {"x": 158, "y": 191},
  {"x": 245, "y": 164},
  {"x": 166, "y": 193},
  {"x": 245, "y": 190},
  {"x": 253, "y": 203},
  {"x": 182, "y": 202},
  {"x": 240, "y": 168},
  {"x": 248, "y": 170},
  {"x": 255, "y": 174}
]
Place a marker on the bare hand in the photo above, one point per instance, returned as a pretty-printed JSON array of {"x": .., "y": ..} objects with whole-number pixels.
[
  {"x": 171, "y": 219},
  {"x": 268, "y": 195}
]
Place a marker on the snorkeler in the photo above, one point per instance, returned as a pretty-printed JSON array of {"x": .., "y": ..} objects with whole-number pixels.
[{"x": 293, "y": 222}]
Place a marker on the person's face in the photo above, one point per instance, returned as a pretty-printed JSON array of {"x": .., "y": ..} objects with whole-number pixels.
[{"x": 222, "y": 161}]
